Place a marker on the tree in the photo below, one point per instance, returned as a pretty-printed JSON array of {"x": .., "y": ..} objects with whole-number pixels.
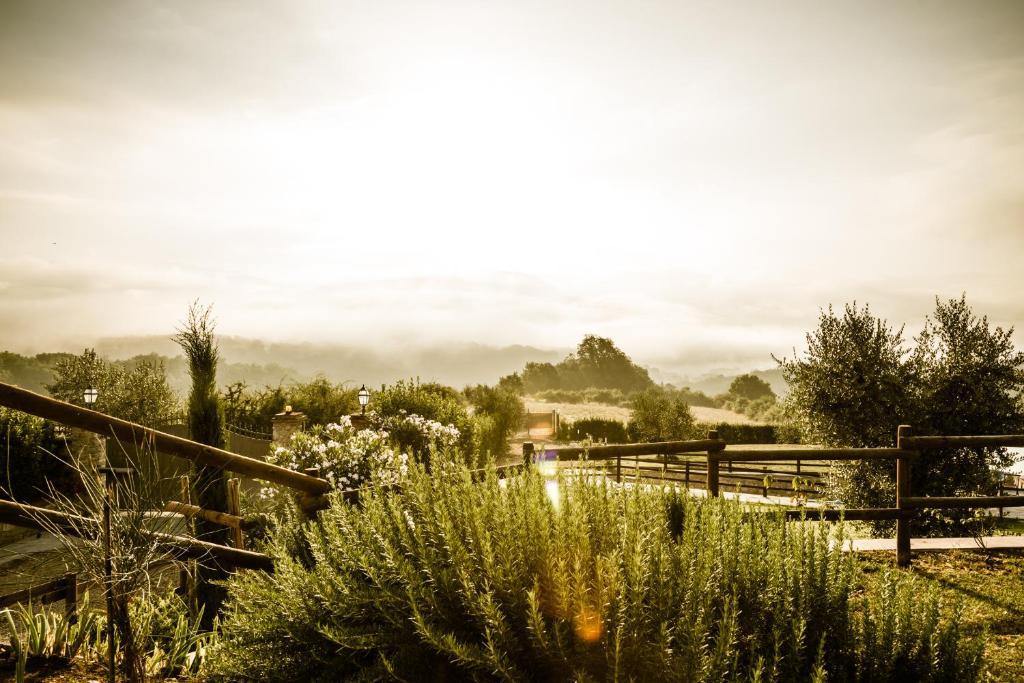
[
  {"x": 859, "y": 381},
  {"x": 499, "y": 414},
  {"x": 856, "y": 383},
  {"x": 972, "y": 379},
  {"x": 750, "y": 387},
  {"x": 601, "y": 364},
  {"x": 206, "y": 425},
  {"x": 540, "y": 377},
  {"x": 660, "y": 416},
  {"x": 138, "y": 394}
]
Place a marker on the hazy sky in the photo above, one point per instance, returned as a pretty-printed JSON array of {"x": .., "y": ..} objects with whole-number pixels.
[{"x": 677, "y": 175}]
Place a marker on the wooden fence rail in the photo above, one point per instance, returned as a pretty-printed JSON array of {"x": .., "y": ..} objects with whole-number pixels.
[
  {"x": 63, "y": 588},
  {"x": 905, "y": 453},
  {"x": 130, "y": 432}
]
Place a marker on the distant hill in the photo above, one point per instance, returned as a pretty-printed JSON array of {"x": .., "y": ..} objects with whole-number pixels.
[{"x": 259, "y": 362}]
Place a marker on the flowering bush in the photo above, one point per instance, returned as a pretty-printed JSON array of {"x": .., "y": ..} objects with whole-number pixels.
[
  {"x": 415, "y": 432},
  {"x": 350, "y": 458}
]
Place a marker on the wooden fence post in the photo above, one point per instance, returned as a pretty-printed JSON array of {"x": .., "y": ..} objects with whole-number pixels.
[
  {"x": 712, "y": 482},
  {"x": 687, "y": 474},
  {"x": 71, "y": 598},
  {"x": 618, "y": 468},
  {"x": 903, "y": 555},
  {"x": 235, "y": 508}
]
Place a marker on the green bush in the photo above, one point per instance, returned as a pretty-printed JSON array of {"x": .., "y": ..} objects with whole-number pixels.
[
  {"x": 29, "y": 455},
  {"x": 497, "y": 415},
  {"x": 428, "y": 400},
  {"x": 320, "y": 400},
  {"x": 139, "y": 393},
  {"x": 596, "y": 428},
  {"x": 660, "y": 415},
  {"x": 740, "y": 433},
  {"x": 447, "y": 578}
]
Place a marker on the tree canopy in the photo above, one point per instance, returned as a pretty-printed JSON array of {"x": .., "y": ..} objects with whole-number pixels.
[
  {"x": 597, "y": 363},
  {"x": 860, "y": 379}
]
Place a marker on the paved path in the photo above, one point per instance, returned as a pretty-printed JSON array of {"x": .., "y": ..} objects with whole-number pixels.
[{"x": 916, "y": 544}]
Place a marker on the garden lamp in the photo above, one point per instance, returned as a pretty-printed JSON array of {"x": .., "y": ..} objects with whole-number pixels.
[
  {"x": 90, "y": 395},
  {"x": 364, "y": 398}
]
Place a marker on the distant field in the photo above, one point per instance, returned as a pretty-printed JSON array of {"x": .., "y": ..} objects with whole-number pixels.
[{"x": 575, "y": 411}]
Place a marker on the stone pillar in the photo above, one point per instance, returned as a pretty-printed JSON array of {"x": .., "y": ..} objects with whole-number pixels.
[{"x": 287, "y": 423}]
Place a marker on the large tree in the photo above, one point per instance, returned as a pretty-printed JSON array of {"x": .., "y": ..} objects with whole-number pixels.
[
  {"x": 206, "y": 425},
  {"x": 139, "y": 393},
  {"x": 860, "y": 379}
]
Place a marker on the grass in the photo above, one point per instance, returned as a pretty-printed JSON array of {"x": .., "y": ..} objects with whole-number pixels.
[{"x": 988, "y": 587}]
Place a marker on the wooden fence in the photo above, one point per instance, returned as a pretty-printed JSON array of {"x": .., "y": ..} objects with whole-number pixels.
[
  {"x": 715, "y": 451},
  {"x": 63, "y": 588}
]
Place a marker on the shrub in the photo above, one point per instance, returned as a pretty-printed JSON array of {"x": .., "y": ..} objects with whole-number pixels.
[
  {"x": 740, "y": 433},
  {"x": 497, "y": 415},
  {"x": 347, "y": 458},
  {"x": 658, "y": 415},
  {"x": 432, "y": 401},
  {"x": 321, "y": 401},
  {"x": 26, "y": 445},
  {"x": 447, "y": 578},
  {"x": 596, "y": 428}
]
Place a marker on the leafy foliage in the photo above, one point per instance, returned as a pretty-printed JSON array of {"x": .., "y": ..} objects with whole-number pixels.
[
  {"x": 447, "y": 578},
  {"x": 320, "y": 400},
  {"x": 432, "y": 401},
  {"x": 498, "y": 414},
  {"x": 597, "y": 362},
  {"x": 29, "y": 451},
  {"x": 750, "y": 387},
  {"x": 138, "y": 394},
  {"x": 660, "y": 415},
  {"x": 206, "y": 425},
  {"x": 595, "y": 428},
  {"x": 859, "y": 380}
]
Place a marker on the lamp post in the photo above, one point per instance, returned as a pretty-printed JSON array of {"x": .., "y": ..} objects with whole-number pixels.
[
  {"x": 90, "y": 395},
  {"x": 364, "y": 398}
]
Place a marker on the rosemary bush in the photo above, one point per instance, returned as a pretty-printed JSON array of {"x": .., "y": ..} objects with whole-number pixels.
[{"x": 446, "y": 578}]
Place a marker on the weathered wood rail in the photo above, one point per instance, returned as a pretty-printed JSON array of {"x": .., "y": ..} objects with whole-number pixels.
[
  {"x": 62, "y": 588},
  {"x": 906, "y": 452},
  {"x": 130, "y": 432}
]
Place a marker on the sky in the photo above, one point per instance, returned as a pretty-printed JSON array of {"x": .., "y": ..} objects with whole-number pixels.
[{"x": 695, "y": 180}]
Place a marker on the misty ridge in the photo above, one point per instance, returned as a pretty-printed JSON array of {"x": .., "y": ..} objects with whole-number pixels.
[{"x": 260, "y": 363}]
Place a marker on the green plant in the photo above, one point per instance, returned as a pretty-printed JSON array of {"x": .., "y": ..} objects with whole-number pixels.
[
  {"x": 139, "y": 393},
  {"x": 206, "y": 425},
  {"x": 430, "y": 401},
  {"x": 42, "y": 634},
  {"x": 594, "y": 428},
  {"x": 29, "y": 453},
  {"x": 659, "y": 415},
  {"x": 860, "y": 379},
  {"x": 451, "y": 578},
  {"x": 498, "y": 414}
]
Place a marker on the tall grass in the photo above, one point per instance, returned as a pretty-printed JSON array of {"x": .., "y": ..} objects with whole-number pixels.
[{"x": 447, "y": 578}]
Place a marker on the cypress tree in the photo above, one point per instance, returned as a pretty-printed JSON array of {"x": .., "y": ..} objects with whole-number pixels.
[{"x": 206, "y": 425}]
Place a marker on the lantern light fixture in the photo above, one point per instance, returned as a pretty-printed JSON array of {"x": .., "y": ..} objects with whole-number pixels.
[{"x": 364, "y": 398}]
